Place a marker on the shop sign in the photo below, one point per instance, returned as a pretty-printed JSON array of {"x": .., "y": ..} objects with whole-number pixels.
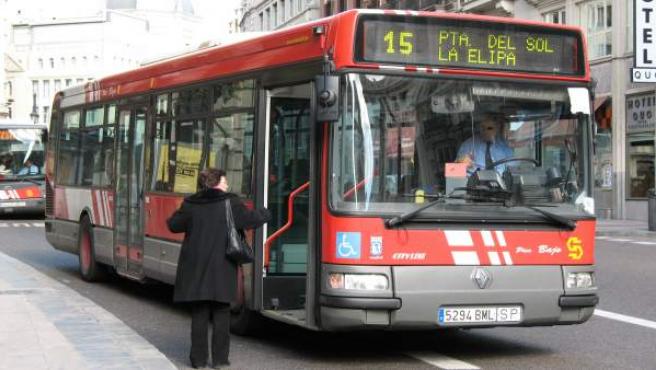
[
  {"x": 640, "y": 112},
  {"x": 645, "y": 41}
]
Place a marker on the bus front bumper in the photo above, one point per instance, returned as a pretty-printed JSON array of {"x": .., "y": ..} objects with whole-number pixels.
[
  {"x": 28, "y": 205},
  {"x": 417, "y": 293}
]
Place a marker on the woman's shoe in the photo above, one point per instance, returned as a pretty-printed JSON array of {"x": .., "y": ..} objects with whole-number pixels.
[{"x": 221, "y": 364}]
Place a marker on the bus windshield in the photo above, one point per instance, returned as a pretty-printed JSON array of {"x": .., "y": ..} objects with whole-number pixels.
[
  {"x": 472, "y": 147},
  {"x": 21, "y": 153}
]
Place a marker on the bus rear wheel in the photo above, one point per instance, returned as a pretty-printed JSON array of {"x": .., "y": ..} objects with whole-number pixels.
[{"x": 90, "y": 270}]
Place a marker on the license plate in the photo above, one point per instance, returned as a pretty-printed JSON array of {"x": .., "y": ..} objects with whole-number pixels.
[
  {"x": 12, "y": 204},
  {"x": 483, "y": 314}
]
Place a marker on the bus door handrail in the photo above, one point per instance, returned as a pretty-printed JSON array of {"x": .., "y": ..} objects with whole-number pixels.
[{"x": 286, "y": 226}]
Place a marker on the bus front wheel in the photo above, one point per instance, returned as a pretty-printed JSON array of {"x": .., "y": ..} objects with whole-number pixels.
[{"x": 90, "y": 270}]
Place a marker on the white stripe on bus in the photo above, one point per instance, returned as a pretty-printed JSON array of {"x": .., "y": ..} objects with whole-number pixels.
[
  {"x": 488, "y": 240},
  {"x": 105, "y": 207},
  {"x": 507, "y": 258},
  {"x": 465, "y": 258},
  {"x": 501, "y": 238},
  {"x": 110, "y": 220},
  {"x": 459, "y": 238},
  {"x": 494, "y": 258},
  {"x": 97, "y": 204}
]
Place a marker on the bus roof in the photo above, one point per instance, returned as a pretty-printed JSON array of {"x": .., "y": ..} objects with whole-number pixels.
[
  {"x": 302, "y": 43},
  {"x": 20, "y": 124}
]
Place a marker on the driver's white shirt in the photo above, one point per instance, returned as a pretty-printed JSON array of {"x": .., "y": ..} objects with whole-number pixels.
[{"x": 475, "y": 147}]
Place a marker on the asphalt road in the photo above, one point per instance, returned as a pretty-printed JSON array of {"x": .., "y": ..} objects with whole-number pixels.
[{"x": 625, "y": 272}]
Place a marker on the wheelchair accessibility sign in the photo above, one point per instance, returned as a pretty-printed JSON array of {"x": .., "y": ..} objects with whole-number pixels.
[{"x": 348, "y": 245}]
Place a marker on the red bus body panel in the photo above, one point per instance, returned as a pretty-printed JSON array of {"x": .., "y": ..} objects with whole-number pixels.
[
  {"x": 289, "y": 46},
  {"x": 302, "y": 44}
]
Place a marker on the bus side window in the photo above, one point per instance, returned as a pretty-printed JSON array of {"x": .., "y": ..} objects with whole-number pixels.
[{"x": 161, "y": 177}]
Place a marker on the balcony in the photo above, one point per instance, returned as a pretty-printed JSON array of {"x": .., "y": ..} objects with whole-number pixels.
[{"x": 488, "y": 7}]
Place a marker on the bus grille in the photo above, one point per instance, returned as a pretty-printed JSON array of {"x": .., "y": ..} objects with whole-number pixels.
[{"x": 50, "y": 199}]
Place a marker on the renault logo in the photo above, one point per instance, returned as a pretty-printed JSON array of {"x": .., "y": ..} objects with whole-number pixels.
[{"x": 481, "y": 277}]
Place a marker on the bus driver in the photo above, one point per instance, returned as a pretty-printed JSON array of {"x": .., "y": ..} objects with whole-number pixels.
[{"x": 485, "y": 147}]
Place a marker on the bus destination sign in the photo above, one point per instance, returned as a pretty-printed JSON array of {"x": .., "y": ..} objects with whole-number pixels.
[{"x": 472, "y": 45}]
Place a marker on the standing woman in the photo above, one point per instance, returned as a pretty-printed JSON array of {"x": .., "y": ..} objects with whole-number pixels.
[{"x": 205, "y": 277}]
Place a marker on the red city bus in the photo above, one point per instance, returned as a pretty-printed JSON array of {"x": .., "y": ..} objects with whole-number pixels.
[
  {"x": 22, "y": 175},
  {"x": 356, "y": 131}
]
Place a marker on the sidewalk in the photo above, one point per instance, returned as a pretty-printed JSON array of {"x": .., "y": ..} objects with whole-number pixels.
[
  {"x": 623, "y": 228},
  {"x": 46, "y": 325}
]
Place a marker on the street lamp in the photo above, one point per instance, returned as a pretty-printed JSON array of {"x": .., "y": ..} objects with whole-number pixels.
[{"x": 35, "y": 114}]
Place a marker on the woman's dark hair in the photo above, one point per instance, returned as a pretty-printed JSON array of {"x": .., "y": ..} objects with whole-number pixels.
[{"x": 209, "y": 178}]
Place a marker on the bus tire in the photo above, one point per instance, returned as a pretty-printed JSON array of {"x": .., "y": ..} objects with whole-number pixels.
[{"x": 90, "y": 270}]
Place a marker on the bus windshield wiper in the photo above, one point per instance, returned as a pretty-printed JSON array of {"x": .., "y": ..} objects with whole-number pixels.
[
  {"x": 34, "y": 179},
  {"x": 557, "y": 219},
  {"x": 550, "y": 216},
  {"x": 397, "y": 220}
]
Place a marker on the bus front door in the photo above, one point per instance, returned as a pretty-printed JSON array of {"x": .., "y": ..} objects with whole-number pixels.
[
  {"x": 288, "y": 152},
  {"x": 128, "y": 238}
]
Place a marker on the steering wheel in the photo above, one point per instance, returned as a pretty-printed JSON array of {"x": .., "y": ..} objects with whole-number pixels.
[{"x": 511, "y": 159}]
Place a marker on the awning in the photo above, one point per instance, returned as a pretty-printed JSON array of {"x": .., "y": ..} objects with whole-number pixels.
[{"x": 599, "y": 101}]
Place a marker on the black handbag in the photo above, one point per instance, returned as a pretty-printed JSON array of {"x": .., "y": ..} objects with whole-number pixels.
[{"x": 237, "y": 249}]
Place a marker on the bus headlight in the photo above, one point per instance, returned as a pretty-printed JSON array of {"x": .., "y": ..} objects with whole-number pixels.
[
  {"x": 579, "y": 280},
  {"x": 358, "y": 281}
]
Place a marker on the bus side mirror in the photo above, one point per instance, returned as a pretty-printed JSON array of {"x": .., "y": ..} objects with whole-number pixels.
[{"x": 327, "y": 97}]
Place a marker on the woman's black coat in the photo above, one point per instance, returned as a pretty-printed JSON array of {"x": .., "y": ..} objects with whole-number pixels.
[{"x": 204, "y": 273}]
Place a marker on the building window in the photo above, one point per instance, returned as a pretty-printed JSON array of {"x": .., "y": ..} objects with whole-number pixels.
[
  {"x": 283, "y": 15},
  {"x": 261, "y": 21},
  {"x": 57, "y": 85},
  {"x": 597, "y": 19},
  {"x": 46, "y": 89},
  {"x": 62, "y": 61},
  {"x": 267, "y": 20},
  {"x": 556, "y": 16},
  {"x": 69, "y": 82},
  {"x": 35, "y": 86},
  {"x": 640, "y": 124},
  {"x": 274, "y": 15},
  {"x": 46, "y": 111},
  {"x": 52, "y": 63},
  {"x": 73, "y": 61},
  {"x": 40, "y": 63}
]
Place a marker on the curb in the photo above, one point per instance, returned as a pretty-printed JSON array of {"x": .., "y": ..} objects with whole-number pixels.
[{"x": 66, "y": 329}]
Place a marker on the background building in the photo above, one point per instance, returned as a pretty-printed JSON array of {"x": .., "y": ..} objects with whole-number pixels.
[
  {"x": 4, "y": 39},
  {"x": 267, "y": 15},
  {"x": 51, "y": 47}
]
